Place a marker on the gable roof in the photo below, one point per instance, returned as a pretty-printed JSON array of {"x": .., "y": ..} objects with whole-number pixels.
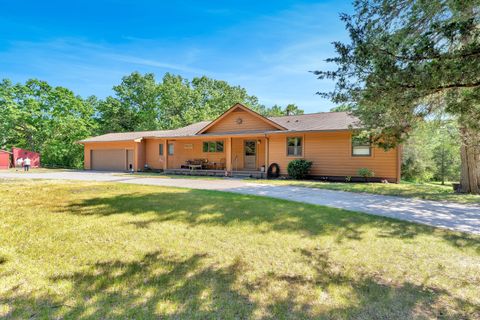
[
  {"x": 242, "y": 107},
  {"x": 322, "y": 121}
]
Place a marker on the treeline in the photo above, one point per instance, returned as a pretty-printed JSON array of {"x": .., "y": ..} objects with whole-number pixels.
[
  {"x": 36, "y": 116},
  {"x": 432, "y": 152}
]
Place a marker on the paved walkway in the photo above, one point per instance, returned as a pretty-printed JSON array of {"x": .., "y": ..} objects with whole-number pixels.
[{"x": 449, "y": 215}]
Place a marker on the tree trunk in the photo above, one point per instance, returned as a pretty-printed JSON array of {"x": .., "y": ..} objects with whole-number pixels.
[{"x": 470, "y": 156}]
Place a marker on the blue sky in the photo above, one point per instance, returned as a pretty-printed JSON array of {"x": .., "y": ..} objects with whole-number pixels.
[{"x": 268, "y": 47}]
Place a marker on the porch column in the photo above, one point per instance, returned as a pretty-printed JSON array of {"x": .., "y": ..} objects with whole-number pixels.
[
  {"x": 266, "y": 154},
  {"x": 228, "y": 154},
  {"x": 135, "y": 157}
]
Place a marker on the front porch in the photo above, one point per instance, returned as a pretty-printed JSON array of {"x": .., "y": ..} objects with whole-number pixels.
[{"x": 217, "y": 156}]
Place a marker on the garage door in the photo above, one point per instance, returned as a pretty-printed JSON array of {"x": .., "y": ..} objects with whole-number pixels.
[{"x": 108, "y": 160}]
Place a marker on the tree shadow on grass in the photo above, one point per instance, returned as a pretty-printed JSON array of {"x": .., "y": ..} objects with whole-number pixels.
[
  {"x": 159, "y": 286},
  {"x": 366, "y": 296},
  {"x": 221, "y": 208},
  {"x": 152, "y": 287}
]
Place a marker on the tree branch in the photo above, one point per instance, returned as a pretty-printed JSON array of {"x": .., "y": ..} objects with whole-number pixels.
[
  {"x": 444, "y": 87},
  {"x": 475, "y": 52}
]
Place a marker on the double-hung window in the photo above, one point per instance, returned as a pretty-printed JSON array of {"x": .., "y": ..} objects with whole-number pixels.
[
  {"x": 213, "y": 146},
  {"x": 361, "y": 146},
  {"x": 294, "y": 146}
]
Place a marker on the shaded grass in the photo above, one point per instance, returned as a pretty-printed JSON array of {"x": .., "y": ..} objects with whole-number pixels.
[
  {"x": 95, "y": 250},
  {"x": 427, "y": 191}
]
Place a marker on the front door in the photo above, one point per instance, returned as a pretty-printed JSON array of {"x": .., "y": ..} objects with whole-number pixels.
[{"x": 250, "y": 161}]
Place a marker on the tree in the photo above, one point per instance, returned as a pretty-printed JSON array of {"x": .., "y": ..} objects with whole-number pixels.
[
  {"x": 278, "y": 111},
  {"x": 445, "y": 152},
  {"x": 431, "y": 152},
  {"x": 135, "y": 106},
  {"x": 45, "y": 119},
  {"x": 417, "y": 161},
  {"x": 50, "y": 120},
  {"x": 274, "y": 111},
  {"x": 140, "y": 103},
  {"x": 407, "y": 60},
  {"x": 113, "y": 116},
  {"x": 342, "y": 108},
  {"x": 292, "y": 109}
]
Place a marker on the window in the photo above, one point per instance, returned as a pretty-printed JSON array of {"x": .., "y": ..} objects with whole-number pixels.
[
  {"x": 250, "y": 148},
  {"x": 213, "y": 146},
  {"x": 171, "y": 148},
  {"x": 361, "y": 146},
  {"x": 160, "y": 149},
  {"x": 294, "y": 146}
]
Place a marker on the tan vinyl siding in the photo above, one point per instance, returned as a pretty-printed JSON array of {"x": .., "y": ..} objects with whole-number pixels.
[
  {"x": 181, "y": 153},
  {"x": 238, "y": 152},
  {"x": 249, "y": 122},
  {"x": 140, "y": 155},
  {"x": 331, "y": 155},
  {"x": 123, "y": 145},
  {"x": 152, "y": 155}
]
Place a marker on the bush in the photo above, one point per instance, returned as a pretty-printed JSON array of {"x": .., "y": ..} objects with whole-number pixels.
[
  {"x": 365, "y": 173},
  {"x": 299, "y": 168}
]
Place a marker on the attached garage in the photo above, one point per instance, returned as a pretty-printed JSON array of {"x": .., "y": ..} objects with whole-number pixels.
[{"x": 111, "y": 159}]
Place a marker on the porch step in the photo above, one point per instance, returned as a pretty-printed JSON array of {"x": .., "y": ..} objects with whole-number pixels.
[
  {"x": 198, "y": 172},
  {"x": 217, "y": 173},
  {"x": 248, "y": 174}
]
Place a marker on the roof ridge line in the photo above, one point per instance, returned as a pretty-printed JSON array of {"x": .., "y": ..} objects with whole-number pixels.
[{"x": 307, "y": 114}]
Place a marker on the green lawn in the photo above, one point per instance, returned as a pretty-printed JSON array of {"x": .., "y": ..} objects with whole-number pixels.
[
  {"x": 96, "y": 250},
  {"x": 429, "y": 191}
]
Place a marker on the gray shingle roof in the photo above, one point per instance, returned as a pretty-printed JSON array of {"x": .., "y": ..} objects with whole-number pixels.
[
  {"x": 323, "y": 121},
  {"x": 189, "y": 130}
]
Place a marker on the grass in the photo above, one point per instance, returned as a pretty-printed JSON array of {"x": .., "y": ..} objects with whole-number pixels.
[
  {"x": 427, "y": 191},
  {"x": 95, "y": 250}
]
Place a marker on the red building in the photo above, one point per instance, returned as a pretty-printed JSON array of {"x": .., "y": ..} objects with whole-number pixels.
[
  {"x": 5, "y": 159},
  {"x": 22, "y": 153}
]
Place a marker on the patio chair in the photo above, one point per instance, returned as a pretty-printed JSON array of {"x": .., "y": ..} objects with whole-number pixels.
[
  {"x": 186, "y": 165},
  {"x": 220, "y": 165}
]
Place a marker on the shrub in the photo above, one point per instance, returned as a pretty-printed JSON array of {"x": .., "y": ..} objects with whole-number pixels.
[
  {"x": 365, "y": 173},
  {"x": 299, "y": 168}
]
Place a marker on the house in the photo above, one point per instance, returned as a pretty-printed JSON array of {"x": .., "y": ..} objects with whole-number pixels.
[{"x": 241, "y": 140}]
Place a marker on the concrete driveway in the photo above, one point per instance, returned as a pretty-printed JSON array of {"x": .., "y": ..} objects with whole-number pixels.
[{"x": 459, "y": 217}]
